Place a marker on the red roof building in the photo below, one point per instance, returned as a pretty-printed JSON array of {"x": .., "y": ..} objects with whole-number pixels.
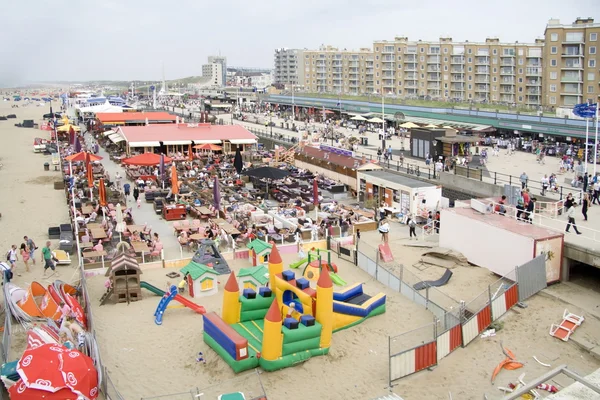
[
  {"x": 136, "y": 118},
  {"x": 158, "y": 135}
]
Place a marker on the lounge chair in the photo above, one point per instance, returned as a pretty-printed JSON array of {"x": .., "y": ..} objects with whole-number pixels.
[{"x": 567, "y": 326}]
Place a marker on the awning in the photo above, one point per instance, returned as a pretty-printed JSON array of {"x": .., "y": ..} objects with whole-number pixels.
[
  {"x": 220, "y": 105},
  {"x": 176, "y": 142},
  {"x": 116, "y": 138},
  {"x": 144, "y": 144},
  {"x": 242, "y": 141},
  {"x": 207, "y": 141},
  {"x": 108, "y": 133}
]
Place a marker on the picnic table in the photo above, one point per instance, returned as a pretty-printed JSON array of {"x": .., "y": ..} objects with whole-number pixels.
[
  {"x": 87, "y": 210},
  {"x": 133, "y": 228},
  {"x": 98, "y": 233},
  {"x": 140, "y": 247},
  {"x": 93, "y": 225}
]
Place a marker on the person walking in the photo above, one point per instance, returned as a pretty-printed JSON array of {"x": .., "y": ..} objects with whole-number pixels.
[
  {"x": 25, "y": 256},
  {"x": 31, "y": 247},
  {"x": 596, "y": 196},
  {"x": 585, "y": 204},
  {"x": 523, "y": 178},
  {"x": 412, "y": 227},
  {"x": 47, "y": 257},
  {"x": 384, "y": 229},
  {"x": 11, "y": 256},
  {"x": 571, "y": 221},
  {"x": 530, "y": 210},
  {"x": 136, "y": 193}
]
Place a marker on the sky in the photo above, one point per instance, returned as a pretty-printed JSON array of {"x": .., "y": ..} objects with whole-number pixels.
[{"x": 78, "y": 40}]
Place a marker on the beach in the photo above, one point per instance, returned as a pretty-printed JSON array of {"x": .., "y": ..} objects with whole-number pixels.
[{"x": 146, "y": 360}]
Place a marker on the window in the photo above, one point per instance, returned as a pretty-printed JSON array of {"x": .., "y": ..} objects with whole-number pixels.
[
  {"x": 553, "y": 88},
  {"x": 470, "y": 96},
  {"x": 495, "y": 69},
  {"x": 422, "y": 76},
  {"x": 376, "y": 49},
  {"x": 574, "y": 37},
  {"x": 399, "y": 58},
  {"x": 552, "y": 99},
  {"x": 470, "y": 69},
  {"x": 521, "y": 90},
  {"x": 593, "y": 37},
  {"x": 520, "y": 80},
  {"x": 470, "y": 86},
  {"x": 445, "y": 50},
  {"x": 520, "y": 70},
  {"x": 553, "y": 50},
  {"x": 590, "y": 89},
  {"x": 554, "y": 37},
  {"x": 520, "y": 98},
  {"x": 495, "y": 52},
  {"x": 494, "y": 79},
  {"x": 445, "y": 58},
  {"x": 422, "y": 49},
  {"x": 553, "y": 63},
  {"x": 399, "y": 66},
  {"x": 592, "y": 49},
  {"x": 422, "y": 58},
  {"x": 207, "y": 284},
  {"x": 422, "y": 67},
  {"x": 445, "y": 68},
  {"x": 470, "y": 60},
  {"x": 521, "y": 61},
  {"x": 520, "y": 52},
  {"x": 399, "y": 50},
  {"x": 553, "y": 75},
  {"x": 470, "y": 77},
  {"x": 494, "y": 88},
  {"x": 591, "y": 76},
  {"x": 592, "y": 63},
  {"x": 469, "y": 51},
  {"x": 495, "y": 60},
  {"x": 494, "y": 97},
  {"x": 377, "y": 74}
]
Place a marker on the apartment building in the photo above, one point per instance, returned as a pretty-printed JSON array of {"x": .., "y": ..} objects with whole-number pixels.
[
  {"x": 330, "y": 70},
  {"x": 289, "y": 67},
  {"x": 572, "y": 65},
  {"x": 223, "y": 62},
  {"x": 212, "y": 75},
  {"x": 461, "y": 71}
]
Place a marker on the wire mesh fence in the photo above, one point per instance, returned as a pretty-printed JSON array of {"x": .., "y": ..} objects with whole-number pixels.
[{"x": 413, "y": 338}]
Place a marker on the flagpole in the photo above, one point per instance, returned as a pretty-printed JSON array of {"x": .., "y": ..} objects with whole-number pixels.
[
  {"x": 587, "y": 134},
  {"x": 596, "y": 138}
]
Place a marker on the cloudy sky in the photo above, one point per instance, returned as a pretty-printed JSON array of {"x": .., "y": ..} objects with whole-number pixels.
[{"x": 129, "y": 39}]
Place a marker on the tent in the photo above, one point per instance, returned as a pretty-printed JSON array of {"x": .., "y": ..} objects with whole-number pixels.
[
  {"x": 376, "y": 120},
  {"x": 148, "y": 159},
  {"x": 67, "y": 128},
  {"x": 358, "y": 118}
]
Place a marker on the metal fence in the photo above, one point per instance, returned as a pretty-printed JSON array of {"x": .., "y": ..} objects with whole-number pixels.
[
  {"x": 531, "y": 277},
  {"x": 412, "y": 351}
]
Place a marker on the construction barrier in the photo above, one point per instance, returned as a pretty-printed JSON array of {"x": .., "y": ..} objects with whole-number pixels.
[
  {"x": 504, "y": 302},
  {"x": 415, "y": 359},
  {"x": 476, "y": 324},
  {"x": 449, "y": 341}
]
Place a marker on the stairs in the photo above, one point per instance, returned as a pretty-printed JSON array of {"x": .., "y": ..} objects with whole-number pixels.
[
  {"x": 287, "y": 156},
  {"x": 106, "y": 296}
]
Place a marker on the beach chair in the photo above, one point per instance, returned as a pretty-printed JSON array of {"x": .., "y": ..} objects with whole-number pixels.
[
  {"x": 62, "y": 257},
  {"x": 177, "y": 225},
  {"x": 567, "y": 326}
]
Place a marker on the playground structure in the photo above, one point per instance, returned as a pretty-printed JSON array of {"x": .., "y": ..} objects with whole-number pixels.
[
  {"x": 209, "y": 255},
  {"x": 314, "y": 263},
  {"x": 286, "y": 323},
  {"x": 124, "y": 274},
  {"x": 259, "y": 251},
  {"x": 166, "y": 299},
  {"x": 201, "y": 280}
]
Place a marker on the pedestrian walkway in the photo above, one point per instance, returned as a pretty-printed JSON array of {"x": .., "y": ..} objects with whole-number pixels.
[{"x": 145, "y": 214}]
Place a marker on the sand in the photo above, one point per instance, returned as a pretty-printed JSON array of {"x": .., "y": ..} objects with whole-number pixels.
[{"x": 144, "y": 359}]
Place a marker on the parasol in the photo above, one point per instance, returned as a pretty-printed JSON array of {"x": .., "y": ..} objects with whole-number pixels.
[
  {"x": 237, "y": 161},
  {"x": 146, "y": 159},
  {"x": 269, "y": 173},
  {"x": 208, "y": 146},
  {"x": 358, "y": 118},
  {"x": 121, "y": 226},
  {"x": 217, "y": 195},
  {"x": 39, "y": 368},
  {"x": 174, "y": 180}
]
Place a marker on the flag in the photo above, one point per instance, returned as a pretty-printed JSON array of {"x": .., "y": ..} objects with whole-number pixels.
[{"x": 585, "y": 110}]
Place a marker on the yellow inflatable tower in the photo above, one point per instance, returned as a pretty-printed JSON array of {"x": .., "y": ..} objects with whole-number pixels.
[
  {"x": 275, "y": 266},
  {"x": 231, "y": 303},
  {"x": 272, "y": 343},
  {"x": 325, "y": 307}
]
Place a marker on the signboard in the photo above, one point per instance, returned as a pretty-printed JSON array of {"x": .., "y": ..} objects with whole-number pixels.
[{"x": 336, "y": 150}]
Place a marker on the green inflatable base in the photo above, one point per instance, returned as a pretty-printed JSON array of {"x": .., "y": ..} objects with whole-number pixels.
[
  {"x": 236, "y": 366},
  {"x": 291, "y": 360},
  {"x": 377, "y": 311}
]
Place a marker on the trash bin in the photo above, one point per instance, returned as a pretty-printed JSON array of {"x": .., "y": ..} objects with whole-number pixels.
[
  {"x": 364, "y": 141},
  {"x": 46, "y": 166},
  {"x": 282, "y": 125}
]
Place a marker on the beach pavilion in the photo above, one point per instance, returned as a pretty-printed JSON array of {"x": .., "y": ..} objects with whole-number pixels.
[
  {"x": 135, "y": 118},
  {"x": 173, "y": 138}
]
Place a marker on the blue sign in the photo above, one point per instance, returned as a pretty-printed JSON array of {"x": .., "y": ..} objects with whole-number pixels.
[
  {"x": 585, "y": 110},
  {"x": 152, "y": 88},
  {"x": 336, "y": 150}
]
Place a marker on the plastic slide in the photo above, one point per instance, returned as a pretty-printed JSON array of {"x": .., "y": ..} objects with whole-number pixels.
[
  {"x": 180, "y": 299},
  {"x": 162, "y": 305},
  {"x": 298, "y": 263},
  {"x": 440, "y": 282},
  {"x": 335, "y": 278}
]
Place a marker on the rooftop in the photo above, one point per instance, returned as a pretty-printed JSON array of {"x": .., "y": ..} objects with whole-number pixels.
[
  {"x": 180, "y": 134},
  {"x": 335, "y": 159},
  {"x": 197, "y": 270},
  {"x": 133, "y": 117},
  {"x": 259, "y": 246},
  {"x": 260, "y": 273},
  {"x": 399, "y": 179}
]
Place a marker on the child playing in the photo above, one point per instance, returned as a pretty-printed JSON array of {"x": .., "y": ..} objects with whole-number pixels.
[{"x": 108, "y": 285}]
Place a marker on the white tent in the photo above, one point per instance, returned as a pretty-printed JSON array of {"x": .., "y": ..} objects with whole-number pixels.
[{"x": 101, "y": 108}]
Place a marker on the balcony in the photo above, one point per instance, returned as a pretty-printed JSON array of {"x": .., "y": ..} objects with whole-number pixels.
[
  {"x": 460, "y": 70},
  {"x": 457, "y": 78},
  {"x": 536, "y": 92},
  {"x": 482, "y": 71},
  {"x": 388, "y": 50},
  {"x": 533, "y": 71},
  {"x": 482, "y": 61},
  {"x": 507, "y": 98},
  {"x": 482, "y": 88},
  {"x": 434, "y": 77},
  {"x": 410, "y": 86},
  {"x": 506, "y": 90},
  {"x": 433, "y": 86},
  {"x": 507, "y": 81},
  {"x": 507, "y": 71},
  {"x": 482, "y": 80},
  {"x": 388, "y": 67},
  {"x": 510, "y": 55},
  {"x": 433, "y": 68},
  {"x": 576, "y": 54},
  {"x": 572, "y": 66},
  {"x": 388, "y": 75},
  {"x": 505, "y": 63},
  {"x": 572, "y": 79},
  {"x": 533, "y": 83},
  {"x": 411, "y": 77},
  {"x": 457, "y": 88},
  {"x": 411, "y": 69},
  {"x": 410, "y": 58},
  {"x": 457, "y": 60},
  {"x": 433, "y": 59}
]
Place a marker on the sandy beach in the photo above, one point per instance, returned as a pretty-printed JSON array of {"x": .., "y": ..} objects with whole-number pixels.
[{"x": 145, "y": 360}]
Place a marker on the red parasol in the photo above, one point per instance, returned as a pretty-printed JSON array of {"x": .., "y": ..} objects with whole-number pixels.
[
  {"x": 174, "y": 180},
  {"x": 190, "y": 153},
  {"x": 315, "y": 192},
  {"x": 148, "y": 159},
  {"x": 39, "y": 368},
  {"x": 89, "y": 171},
  {"x": 71, "y": 135},
  {"x": 208, "y": 146},
  {"x": 102, "y": 193},
  {"x": 20, "y": 391},
  {"x": 81, "y": 156},
  {"x": 80, "y": 374}
]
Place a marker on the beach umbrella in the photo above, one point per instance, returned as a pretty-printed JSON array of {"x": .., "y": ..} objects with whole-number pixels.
[
  {"x": 77, "y": 145},
  {"x": 358, "y": 118},
  {"x": 267, "y": 173},
  {"x": 90, "y": 176},
  {"x": 72, "y": 135},
  {"x": 174, "y": 180},
  {"x": 217, "y": 195},
  {"x": 161, "y": 169},
  {"x": 376, "y": 120},
  {"x": 79, "y": 374},
  {"x": 39, "y": 368},
  {"x": 121, "y": 226},
  {"x": 431, "y": 126},
  {"x": 67, "y": 127},
  {"x": 82, "y": 156},
  {"x": 20, "y": 391},
  {"x": 409, "y": 125},
  {"x": 315, "y": 192},
  {"x": 190, "y": 152},
  {"x": 208, "y": 146},
  {"x": 102, "y": 193},
  {"x": 147, "y": 159},
  {"x": 237, "y": 161}
]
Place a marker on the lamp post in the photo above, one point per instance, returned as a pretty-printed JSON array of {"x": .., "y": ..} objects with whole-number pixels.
[
  {"x": 383, "y": 123},
  {"x": 293, "y": 104}
]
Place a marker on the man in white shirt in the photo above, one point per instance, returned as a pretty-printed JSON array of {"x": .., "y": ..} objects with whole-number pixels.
[
  {"x": 571, "y": 221},
  {"x": 545, "y": 184}
]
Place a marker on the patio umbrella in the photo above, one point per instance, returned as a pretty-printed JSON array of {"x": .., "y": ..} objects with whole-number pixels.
[
  {"x": 20, "y": 391},
  {"x": 161, "y": 169},
  {"x": 316, "y": 198},
  {"x": 190, "y": 152},
  {"x": 358, "y": 118},
  {"x": 431, "y": 126},
  {"x": 90, "y": 176},
  {"x": 67, "y": 127},
  {"x": 268, "y": 173},
  {"x": 79, "y": 374},
  {"x": 208, "y": 146},
  {"x": 77, "y": 145},
  {"x": 102, "y": 193},
  {"x": 237, "y": 161},
  {"x": 72, "y": 135},
  {"x": 376, "y": 120},
  {"x": 81, "y": 156},
  {"x": 146, "y": 159},
  {"x": 174, "y": 180},
  {"x": 39, "y": 368},
  {"x": 217, "y": 195},
  {"x": 409, "y": 125},
  {"x": 121, "y": 226}
]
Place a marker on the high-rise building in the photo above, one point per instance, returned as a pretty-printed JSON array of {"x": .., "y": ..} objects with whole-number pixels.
[
  {"x": 331, "y": 70},
  {"x": 223, "y": 61},
  {"x": 461, "y": 71},
  {"x": 289, "y": 67},
  {"x": 571, "y": 63},
  {"x": 212, "y": 75}
]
